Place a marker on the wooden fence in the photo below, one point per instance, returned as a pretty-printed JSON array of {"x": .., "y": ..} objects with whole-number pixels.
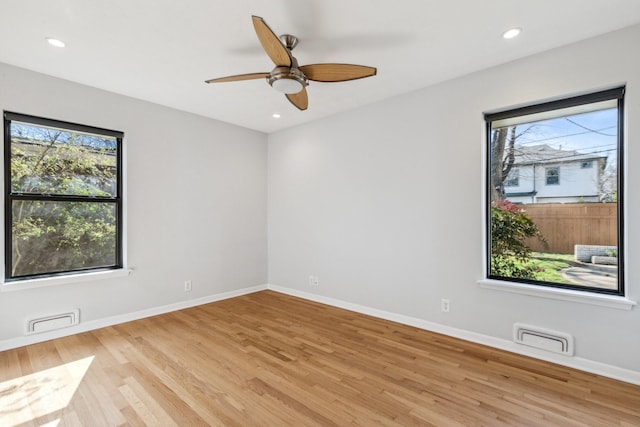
[{"x": 566, "y": 225}]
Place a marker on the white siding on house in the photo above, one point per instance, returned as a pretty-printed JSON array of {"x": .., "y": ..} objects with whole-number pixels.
[{"x": 576, "y": 184}]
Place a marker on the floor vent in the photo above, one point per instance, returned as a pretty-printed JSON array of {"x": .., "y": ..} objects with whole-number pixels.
[
  {"x": 545, "y": 339},
  {"x": 49, "y": 323}
]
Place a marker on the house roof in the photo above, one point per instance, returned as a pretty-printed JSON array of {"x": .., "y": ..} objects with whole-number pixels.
[{"x": 538, "y": 154}]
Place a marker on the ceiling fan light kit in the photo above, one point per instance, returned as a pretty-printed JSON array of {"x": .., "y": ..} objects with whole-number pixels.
[{"x": 289, "y": 78}]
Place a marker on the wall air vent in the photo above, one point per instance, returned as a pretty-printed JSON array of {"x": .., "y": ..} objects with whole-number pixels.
[
  {"x": 56, "y": 321},
  {"x": 544, "y": 339}
]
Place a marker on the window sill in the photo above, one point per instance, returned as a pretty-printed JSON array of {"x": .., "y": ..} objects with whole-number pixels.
[
  {"x": 63, "y": 280},
  {"x": 611, "y": 301}
]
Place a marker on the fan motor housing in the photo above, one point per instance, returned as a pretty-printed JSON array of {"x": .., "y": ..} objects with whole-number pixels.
[{"x": 287, "y": 80}]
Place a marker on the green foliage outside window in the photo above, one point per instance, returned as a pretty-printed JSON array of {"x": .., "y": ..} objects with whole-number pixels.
[{"x": 510, "y": 229}]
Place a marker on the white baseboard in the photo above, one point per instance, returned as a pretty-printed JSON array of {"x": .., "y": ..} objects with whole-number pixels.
[
  {"x": 114, "y": 320},
  {"x": 582, "y": 364}
]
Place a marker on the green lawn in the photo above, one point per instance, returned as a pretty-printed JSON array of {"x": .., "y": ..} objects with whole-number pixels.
[{"x": 548, "y": 266}]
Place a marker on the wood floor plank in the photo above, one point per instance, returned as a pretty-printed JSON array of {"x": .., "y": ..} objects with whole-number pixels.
[{"x": 268, "y": 359}]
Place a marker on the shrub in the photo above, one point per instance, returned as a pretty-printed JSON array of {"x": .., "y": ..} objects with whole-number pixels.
[{"x": 510, "y": 227}]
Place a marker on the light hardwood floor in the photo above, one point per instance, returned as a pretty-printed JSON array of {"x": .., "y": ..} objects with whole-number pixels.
[{"x": 267, "y": 359}]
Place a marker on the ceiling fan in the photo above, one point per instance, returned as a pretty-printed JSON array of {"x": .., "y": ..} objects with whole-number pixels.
[{"x": 287, "y": 76}]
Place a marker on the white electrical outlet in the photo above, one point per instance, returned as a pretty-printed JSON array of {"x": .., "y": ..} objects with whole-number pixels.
[
  {"x": 314, "y": 281},
  {"x": 445, "y": 305},
  {"x": 187, "y": 285}
]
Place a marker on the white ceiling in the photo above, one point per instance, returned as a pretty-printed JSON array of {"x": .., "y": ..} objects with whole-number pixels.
[{"x": 163, "y": 50}]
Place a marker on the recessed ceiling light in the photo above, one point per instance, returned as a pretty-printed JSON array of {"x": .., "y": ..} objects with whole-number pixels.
[
  {"x": 275, "y": 115},
  {"x": 513, "y": 32},
  {"x": 55, "y": 42}
]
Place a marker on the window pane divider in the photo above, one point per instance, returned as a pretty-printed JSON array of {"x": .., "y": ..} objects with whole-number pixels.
[{"x": 62, "y": 198}]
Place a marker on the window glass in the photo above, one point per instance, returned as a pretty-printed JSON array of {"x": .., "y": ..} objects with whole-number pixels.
[
  {"x": 562, "y": 227},
  {"x": 513, "y": 178},
  {"x": 553, "y": 176},
  {"x": 62, "y": 236},
  {"x": 46, "y": 160},
  {"x": 63, "y": 207}
]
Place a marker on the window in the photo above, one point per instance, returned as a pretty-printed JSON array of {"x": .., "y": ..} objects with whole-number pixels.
[
  {"x": 557, "y": 233},
  {"x": 513, "y": 178},
  {"x": 552, "y": 176},
  {"x": 63, "y": 198}
]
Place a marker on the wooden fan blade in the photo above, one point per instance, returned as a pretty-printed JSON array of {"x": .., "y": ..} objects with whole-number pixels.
[
  {"x": 271, "y": 44},
  {"x": 337, "y": 72},
  {"x": 239, "y": 77},
  {"x": 300, "y": 99}
]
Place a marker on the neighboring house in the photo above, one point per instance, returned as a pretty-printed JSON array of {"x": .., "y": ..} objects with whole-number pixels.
[{"x": 542, "y": 174}]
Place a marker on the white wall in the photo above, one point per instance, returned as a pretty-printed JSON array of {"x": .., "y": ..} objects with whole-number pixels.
[
  {"x": 196, "y": 203},
  {"x": 384, "y": 204}
]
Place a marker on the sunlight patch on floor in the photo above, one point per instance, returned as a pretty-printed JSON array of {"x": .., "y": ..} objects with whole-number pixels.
[{"x": 37, "y": 395}]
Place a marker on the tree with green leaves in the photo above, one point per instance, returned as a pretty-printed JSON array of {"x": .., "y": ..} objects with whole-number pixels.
[{"x": 510, "y": 228}]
